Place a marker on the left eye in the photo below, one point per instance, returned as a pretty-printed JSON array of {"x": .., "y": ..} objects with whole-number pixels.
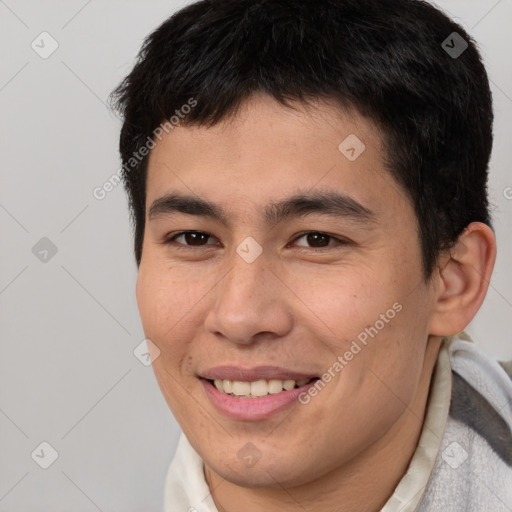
[{"x": 318, "y": 239}]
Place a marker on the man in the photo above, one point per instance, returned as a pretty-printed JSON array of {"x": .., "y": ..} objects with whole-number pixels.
[{"x": 307, "y": 181}]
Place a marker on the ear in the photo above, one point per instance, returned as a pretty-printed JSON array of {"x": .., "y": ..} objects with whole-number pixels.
[{"x": 462, "y": 280}]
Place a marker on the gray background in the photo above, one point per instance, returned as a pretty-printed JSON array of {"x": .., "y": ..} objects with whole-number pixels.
[{"x": 69, "y": 325}]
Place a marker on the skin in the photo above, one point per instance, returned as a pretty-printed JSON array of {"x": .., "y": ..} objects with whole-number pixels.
[{"x": 298, "y": 306}]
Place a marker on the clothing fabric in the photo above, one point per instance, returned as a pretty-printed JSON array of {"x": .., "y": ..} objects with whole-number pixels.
[{"x": 463, "y": 461}]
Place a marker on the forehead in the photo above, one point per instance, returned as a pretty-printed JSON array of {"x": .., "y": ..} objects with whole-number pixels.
[{"x": 267, "y": 151}]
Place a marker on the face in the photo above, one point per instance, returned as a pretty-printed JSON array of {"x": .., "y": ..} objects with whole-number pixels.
[{"x": 262, "y": 287}]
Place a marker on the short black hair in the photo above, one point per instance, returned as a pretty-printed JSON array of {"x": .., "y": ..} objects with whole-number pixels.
[{"x": 396, "y": 62}]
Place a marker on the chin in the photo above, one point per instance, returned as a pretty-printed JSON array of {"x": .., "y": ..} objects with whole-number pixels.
[
  {"x": 251, "y": 478},
  {"x": 265, "y": 473}
]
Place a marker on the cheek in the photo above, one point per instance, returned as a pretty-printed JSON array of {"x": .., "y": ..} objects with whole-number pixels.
[
  {"x": 395, "y": 355},
  {"x": 164, "y": 305},
  {"x": 385, "y": 313},
  {"x": 352, "y": 300},
  {"x": 166, "y": 308},
  {"x": 162, "y": 297}
]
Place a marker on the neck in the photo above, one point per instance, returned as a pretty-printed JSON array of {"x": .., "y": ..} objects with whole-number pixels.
[{"x": 363, "y": 485}]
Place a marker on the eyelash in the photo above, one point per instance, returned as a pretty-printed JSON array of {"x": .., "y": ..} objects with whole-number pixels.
[{"x": 340, "y": 241}]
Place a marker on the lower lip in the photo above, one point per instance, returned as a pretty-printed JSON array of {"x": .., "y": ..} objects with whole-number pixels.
[{"x": 252, "y": 409}]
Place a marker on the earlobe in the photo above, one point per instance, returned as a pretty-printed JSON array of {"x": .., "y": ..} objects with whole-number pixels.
[{"x": 463, "y": 278}]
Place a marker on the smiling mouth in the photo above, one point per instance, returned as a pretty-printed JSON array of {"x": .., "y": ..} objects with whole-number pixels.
[{"x": 259, "y": 388}]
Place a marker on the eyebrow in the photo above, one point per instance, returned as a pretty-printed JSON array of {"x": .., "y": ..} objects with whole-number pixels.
[{"x": 328, "y": 203}]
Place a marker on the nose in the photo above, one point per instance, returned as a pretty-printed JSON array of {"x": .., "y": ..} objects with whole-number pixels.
[{"x": 250, "y": 303}]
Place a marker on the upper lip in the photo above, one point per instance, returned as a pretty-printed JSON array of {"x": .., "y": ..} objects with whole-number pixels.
[{"x": 252, "y": 374}]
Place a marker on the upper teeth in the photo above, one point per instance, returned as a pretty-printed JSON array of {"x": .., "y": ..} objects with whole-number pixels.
[{"x": 256, "y": 388}]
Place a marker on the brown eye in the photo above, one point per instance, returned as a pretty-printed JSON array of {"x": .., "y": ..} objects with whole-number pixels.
[
  {"x": 191, "y": 238},
  {"x": 313, "y": 239},
  {"x": 319, "y": 240}
]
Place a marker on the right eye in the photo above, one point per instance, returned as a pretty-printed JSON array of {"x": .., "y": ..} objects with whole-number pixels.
[{"x": 194, "y": 238}]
